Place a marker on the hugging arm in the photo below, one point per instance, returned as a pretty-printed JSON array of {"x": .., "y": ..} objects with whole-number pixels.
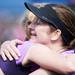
[
  {"x": 39, "y": 54},
  {"x": 48, "y": 59}
]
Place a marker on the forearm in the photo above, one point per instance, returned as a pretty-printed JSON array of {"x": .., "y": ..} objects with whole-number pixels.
[
  {"x": 50, "y": 60},
  {"x": 57, "y": 64}
]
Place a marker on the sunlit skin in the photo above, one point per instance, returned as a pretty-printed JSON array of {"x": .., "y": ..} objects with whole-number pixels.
[{"x": 1, "y": 72}]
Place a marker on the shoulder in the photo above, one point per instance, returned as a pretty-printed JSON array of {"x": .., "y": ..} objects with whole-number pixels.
[{"x": 38, "y": 46}]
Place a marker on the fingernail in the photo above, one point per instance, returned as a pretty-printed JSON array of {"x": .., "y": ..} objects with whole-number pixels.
[
  {"x": 19, "y": 54},
  {"x": 17, "y": 58},
  {"x": 4, "y": 59},
  {"x": 11, "y": 59}
]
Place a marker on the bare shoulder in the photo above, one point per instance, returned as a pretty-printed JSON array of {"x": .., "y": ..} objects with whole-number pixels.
[
  {"x": 35, "y": 52},
  {"x": 39, "y": 47}
]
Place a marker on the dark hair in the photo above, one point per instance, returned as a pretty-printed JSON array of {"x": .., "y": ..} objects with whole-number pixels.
[
  {"x": 38, "y": 21},
  {"x": 68, "y": 17}
]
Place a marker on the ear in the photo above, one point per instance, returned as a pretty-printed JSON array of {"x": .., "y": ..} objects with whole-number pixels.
[{"x": 55, "y": 35}]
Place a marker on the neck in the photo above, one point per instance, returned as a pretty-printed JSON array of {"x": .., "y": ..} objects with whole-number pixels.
[
  {"x": 33, "y": 39},
  {"x": 57, "y": 47},
  {"x": 54, "y": 46}
]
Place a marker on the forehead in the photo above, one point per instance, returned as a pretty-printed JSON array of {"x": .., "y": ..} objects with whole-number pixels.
[
  {"x": 43, "y": 26},
  {"x": 42, "y": 29}
]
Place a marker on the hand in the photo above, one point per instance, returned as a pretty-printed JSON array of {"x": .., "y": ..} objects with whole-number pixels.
[{"x": 9, "y": 50}]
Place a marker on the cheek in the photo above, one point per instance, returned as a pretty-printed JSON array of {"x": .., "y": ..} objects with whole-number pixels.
[
  {"x": 42, "y": 34},
  {"x": 43, "y": 38}
]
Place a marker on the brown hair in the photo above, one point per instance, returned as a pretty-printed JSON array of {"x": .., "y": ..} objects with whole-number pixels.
[{"x": 68, "y": 17}]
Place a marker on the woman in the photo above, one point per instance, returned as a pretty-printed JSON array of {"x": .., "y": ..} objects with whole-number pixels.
[
  {"x": 53, "y": 41},
  {"x": 61, "y": 34}
]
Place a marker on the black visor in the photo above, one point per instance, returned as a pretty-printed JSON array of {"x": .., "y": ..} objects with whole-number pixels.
[{"x": 49, "y": 15}]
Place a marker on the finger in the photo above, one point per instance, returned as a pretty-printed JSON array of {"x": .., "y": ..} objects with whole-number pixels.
[
  {"x": 8, "y": 55},
  {"x": 2, "y": 49},
  {"x": 18, "y": 41},
  {"x": 16, "y": 50},
  {"x": 12, "y": 52},
  {"x": 3, "y": 56},
  {"x": 13, "y": 46}
]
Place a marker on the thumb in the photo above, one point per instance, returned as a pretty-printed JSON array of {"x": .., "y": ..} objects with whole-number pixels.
[{"x": 18, "y": 41}]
